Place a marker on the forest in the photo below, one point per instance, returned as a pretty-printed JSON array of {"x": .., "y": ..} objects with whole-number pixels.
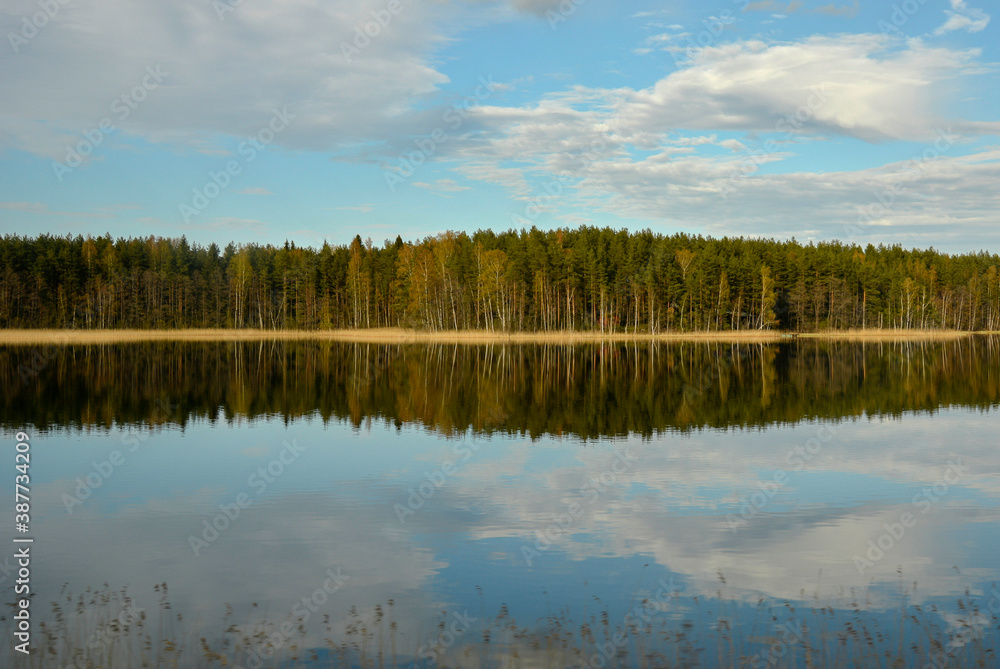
[
  {"x": 590, "y": 391},
  {"x": 584, "y": 279}
]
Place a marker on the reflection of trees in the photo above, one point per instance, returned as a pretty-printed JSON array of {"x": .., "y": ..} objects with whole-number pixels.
[{"x": 587, "y": 391}]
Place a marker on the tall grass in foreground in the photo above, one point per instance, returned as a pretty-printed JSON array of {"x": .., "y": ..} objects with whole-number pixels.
[{"x": 103, "y": 628}]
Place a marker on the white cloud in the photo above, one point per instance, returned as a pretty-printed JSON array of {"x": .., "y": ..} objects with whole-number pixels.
[
  {"x": 233, "y": 223},
  {"x": 846, "y": 11},
  {"x": 874, "y": 90},
  {"x": 771, "y": 5},
  {"x": 617, "y": 151},
  {"x": 963, "y": 18},
  {"x": 876, "y": 87},
  {"x": 223, "y": 77},
  {"x": 442, "y": 186},
  {"x": 257, "y": 190},
  {"x": 42, "y": 208},
  {"x": 539, "y": 7},
  {"x": 946, "y": 201},
  {"x": 33, "y": 207}
]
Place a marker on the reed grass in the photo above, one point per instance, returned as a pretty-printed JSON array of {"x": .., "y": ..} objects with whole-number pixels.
[
  {"x": 400, "y": 335},
  {"x": 88, "y": 631}
]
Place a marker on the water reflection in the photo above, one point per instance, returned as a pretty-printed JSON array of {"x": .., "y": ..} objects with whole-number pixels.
[
  {"x": 474, "y": 480},
  {"x": 588, "y": 391}
]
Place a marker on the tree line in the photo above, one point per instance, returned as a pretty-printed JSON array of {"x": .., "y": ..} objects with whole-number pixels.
[
  {"x": 594, "y": 279},
  {"x": 589, "y": 391}
]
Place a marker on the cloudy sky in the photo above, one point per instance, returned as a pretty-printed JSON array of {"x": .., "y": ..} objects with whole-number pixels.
[{"x": 255, "y": 120}]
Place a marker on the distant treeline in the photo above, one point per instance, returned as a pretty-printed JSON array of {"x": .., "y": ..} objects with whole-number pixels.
[
  {"x": 582, "y": 279},
  {"x": 589, "y": 391}
]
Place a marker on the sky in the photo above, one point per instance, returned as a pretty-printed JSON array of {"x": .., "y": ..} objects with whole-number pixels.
[{"x": 312, "y": 121}]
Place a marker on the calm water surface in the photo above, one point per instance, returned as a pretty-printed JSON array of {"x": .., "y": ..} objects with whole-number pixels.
[{"x": 467, "y": 503}]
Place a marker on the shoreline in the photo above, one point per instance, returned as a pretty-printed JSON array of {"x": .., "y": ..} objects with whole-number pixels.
[{"x": 405, "y": 336}]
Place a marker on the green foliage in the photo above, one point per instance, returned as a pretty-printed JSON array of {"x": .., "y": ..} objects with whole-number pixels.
[{"x": 595, "y": 279}]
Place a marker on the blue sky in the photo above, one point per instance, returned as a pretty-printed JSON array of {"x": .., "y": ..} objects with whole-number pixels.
[{"x": 257, "y": 121}]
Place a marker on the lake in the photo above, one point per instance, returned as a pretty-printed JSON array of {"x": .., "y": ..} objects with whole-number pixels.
[{"x": 308, "y": 503}]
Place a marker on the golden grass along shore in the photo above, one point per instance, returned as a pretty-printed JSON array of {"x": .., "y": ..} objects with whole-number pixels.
[{"x": 401, "y": 335}]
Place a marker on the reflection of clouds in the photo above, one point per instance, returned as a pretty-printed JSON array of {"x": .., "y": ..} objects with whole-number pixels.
[
  {"x": 797, "y": 556},
  {"x": 334, "y": 509},
  {"x": 273, "y": 555},
  {"x": 654, "y": 508}
]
